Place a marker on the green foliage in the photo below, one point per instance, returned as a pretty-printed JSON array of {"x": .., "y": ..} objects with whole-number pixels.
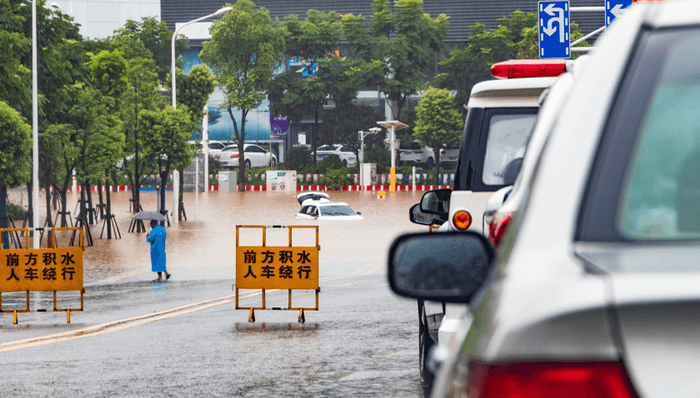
[
  {"x": 438, "y": 121},
  {"x": 397, "y": 47},
  {"x": 330, "y": 162},
  {"x": 108, "y": 73},
  {"x": 244, "y": 52},
  {"x": 515, "y": 37},
  {"x": 151, "y": 39},
  {"x": 95, "y": 131},
  {"x": 336, "y": 79},
  {"x": 380, "y": 155},
  {"x": 16, "y": 212},
  {"x": 298, "y": 158},
  {"x": 341, "y": 124},
  {"x": 165, "y": 137},
  {"x": 16, "y": 141},
  {"x": 336, "y": 178},
  {"x": 194, "y": 89}
]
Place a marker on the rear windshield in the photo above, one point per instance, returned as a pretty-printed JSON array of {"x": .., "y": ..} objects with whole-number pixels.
[
  {"x": 645, "y": 186},
  {"x": 339, "y": 210},
  {"x": 661, "y": 194}
]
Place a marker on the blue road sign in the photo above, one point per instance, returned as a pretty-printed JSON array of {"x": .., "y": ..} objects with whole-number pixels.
[
  {"x": 554, "y": 29},
  {"x": 613, "y": 9}
]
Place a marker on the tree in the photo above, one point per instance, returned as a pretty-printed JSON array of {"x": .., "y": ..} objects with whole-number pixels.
[
  {"x": 165, "y": 138},
  {"x": 515, "y": 37},
  {"x": 341, "y": 124},
  {"x": 243, "y": 53},
  {"x": 193, "y": 90},
  {"x": 438, "y": 122},
  {"x": 155, "y": 41},
  {"x": 331, "y": 79},
  {"x": 15, "y": 168},
  {"x": 398, "y": 47}
]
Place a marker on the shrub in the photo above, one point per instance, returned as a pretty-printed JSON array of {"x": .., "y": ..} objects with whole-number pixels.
[
  {"x": 16, "y": 212},
  {"x": 336, "y": 178},
  {"x": 330, "y": 162},
  {"x": 381, "y": 156},
  {"x": 298, "y": 158}
]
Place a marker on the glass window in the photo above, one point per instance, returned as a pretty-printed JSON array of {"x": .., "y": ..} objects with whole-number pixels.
[
  {"x": 507, "y": 139},
  {"x": 661, "y": 194},
  {"x": 337, "y": 210}
]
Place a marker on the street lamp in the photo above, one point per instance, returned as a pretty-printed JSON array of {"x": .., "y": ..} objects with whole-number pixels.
[
  {"x": 35, "y": 133},
  {"x": 361, "y": 136},
  {"x": 393, "y": 125},
  {"x": 205, "y": 137}
]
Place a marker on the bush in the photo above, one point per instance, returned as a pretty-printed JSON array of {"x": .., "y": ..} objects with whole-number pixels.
[
  {"x": 298, "y": 158},
  {"x": 381, "y": 157},
  {"x": 336, "y": 179},
  {"x": 16, "y": 212},
  {"x": 330, "y": 162}
]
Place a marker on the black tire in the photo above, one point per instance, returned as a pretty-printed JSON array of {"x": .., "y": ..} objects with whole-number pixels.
[
  {"x": 425, "y": 344},
  {"x": 247, "y": 165},
  {"x": 429, "y": 164},
  {"x": 273, "y": 163},
  {"x": 345, "y": 164}
]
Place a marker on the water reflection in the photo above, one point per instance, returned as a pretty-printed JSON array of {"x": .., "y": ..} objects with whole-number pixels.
[{"x": 205, "y": 249}]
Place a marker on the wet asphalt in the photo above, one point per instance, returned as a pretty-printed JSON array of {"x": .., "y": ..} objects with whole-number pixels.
[{"x": 186, "y": 338}]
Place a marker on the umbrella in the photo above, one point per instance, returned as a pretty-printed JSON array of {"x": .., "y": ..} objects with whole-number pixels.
[{"x": 149, "y": 215}]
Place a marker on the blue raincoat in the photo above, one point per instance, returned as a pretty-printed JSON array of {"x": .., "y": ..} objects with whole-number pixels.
[{"x": 157, "y": 238}]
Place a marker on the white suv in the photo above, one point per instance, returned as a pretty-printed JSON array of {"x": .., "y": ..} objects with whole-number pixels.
[
  {"x": 345, "y": 153},
  {"x": 415, "y": 155}
]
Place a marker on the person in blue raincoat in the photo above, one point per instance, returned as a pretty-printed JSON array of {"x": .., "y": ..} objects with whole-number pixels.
[{"x": 157, "y": 238}]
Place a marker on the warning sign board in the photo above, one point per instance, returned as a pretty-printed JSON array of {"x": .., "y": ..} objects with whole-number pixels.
[
  {"x": 277, "y": 267},
  {"x": 41, "y": 269}
]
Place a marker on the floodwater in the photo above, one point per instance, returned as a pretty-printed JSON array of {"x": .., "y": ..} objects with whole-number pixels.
[
  {"x": 363, "y": 341},
  {"x": 204, "y": 248}
]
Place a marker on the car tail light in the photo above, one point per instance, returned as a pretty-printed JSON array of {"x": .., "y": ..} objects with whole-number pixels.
[
  {"x": 549, "y": 380},
  {"x": 234, "y": 156},
  {"x": 462, "y": 220},
  {"x": 516, "y": 70},
  {"x": 498, "y": 227}
]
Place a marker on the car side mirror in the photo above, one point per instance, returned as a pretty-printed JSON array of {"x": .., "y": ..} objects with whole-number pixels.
[
  {"x": 359, "y": 213},
  {"x": 445, "y": 267},
  {"x": 437, "y": 202},
  {"x": 510, "y": 174},
  {"x": 418, "y": 217}
]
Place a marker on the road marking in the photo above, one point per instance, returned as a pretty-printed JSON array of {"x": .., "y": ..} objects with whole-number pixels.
[{"x": 127, "y": 323}]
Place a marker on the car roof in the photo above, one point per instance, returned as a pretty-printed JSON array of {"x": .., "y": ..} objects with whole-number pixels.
[
  {"x": 674, "y": 13},
  {"x": 509, "y": 92}
]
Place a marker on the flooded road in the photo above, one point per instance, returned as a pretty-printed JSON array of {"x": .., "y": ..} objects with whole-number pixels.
[
  {"x": 185, "y": 338},
  {"x": 205, "y": 249}
]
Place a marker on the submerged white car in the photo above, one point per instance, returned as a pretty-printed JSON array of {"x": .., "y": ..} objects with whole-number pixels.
[{"x": 325, "y": 210}]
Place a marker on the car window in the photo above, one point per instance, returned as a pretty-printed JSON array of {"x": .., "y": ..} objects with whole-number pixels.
[
  {"x": 230, "y": 148},
  {"x": 252, "y": 149},
  {"x": 337, "y": 210},
  {"x": 507, "y": 139},
  {"x": 661, "y": 194},
  {"x": 323, "y": 148},
  {"x": 346, "y": 149},
  {"x": 216, "y": 145}
]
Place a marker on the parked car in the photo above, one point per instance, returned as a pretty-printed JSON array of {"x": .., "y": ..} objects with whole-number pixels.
[
  {"x": 594, "y": 290},
  {"x": 449, "y": 156},
  {"x": 309, "y": 197},
  {"x": 345, "y": 153},
  {"x": 255, "y": 156},
  {"x": 415, "y": 155},
  {"x": 325, "y": 210}
]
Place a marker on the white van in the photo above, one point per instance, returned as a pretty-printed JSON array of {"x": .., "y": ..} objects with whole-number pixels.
[{"x": 500, "y": 118}]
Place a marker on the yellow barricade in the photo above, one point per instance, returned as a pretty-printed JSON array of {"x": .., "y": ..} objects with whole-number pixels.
[
  {"x": 48, "y": 270},
  {"x": 277, "y": 267}
]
